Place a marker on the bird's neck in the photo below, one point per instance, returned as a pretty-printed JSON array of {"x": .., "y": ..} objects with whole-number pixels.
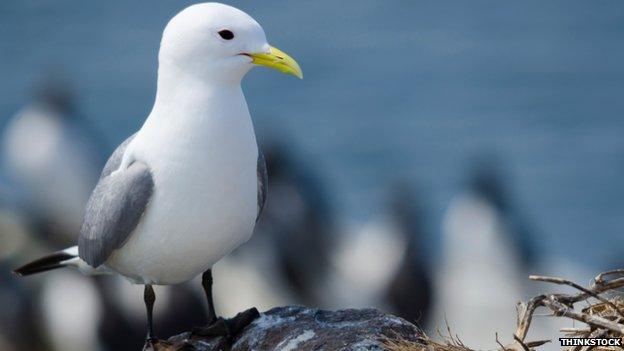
[
  {"x": 194, "y": 118},
  {"x": 184, "y": 98}
]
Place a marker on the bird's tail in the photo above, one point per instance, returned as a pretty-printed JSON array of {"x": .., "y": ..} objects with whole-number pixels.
[{"x": 59, "y": 259}]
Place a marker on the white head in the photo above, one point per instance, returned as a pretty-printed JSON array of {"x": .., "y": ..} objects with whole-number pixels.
[{"x": 219, "y": 43}]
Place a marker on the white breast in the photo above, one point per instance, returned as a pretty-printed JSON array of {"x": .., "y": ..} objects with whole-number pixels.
[{"x": 205, "y": 198}]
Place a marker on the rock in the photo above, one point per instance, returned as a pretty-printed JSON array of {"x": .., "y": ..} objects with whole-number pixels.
[{"x": 300, "y": 328}]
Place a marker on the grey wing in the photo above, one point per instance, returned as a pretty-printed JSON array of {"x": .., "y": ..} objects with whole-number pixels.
[
  {"x": 263, "y": 182},
  {"x": 114, "y": 210}
]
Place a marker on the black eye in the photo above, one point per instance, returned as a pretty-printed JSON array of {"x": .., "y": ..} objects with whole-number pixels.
[{"x": 226, "y": 34}]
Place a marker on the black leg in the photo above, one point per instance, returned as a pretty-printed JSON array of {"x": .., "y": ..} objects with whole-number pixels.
[
  {"x": 218, "y": 326},
  {"x": 207, "y": 285},
  {"x": 149, "y": 297}
]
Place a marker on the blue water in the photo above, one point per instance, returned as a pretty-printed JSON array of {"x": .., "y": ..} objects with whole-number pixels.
[{"x": 392, "y": 90}]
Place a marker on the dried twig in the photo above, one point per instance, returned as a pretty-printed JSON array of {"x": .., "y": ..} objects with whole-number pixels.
[
  {"x": 524, "y": 346},
  {"x": 527, "y": 316},
  {"x": 499, "y": 343},
  {"x": 600, "y": 277},
  {"x": 565, "y": 311},
  {"x": 603, "y": 318},
  {"x": 589, "y": 292}
]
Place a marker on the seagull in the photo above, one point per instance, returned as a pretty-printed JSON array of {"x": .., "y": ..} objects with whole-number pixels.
[
  {"x": 54, "y": 176},
  {"x": 187, "y": 188},
  {"x": 481, "y": 249}
]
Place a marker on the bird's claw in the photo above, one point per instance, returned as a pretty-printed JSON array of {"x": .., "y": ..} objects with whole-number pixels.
[
  {"x": 150, "y": 344},
  {"x": 228, "y": 328},
  {"x": 217, "y": 328},
  {"x": 237, "y": 323}
]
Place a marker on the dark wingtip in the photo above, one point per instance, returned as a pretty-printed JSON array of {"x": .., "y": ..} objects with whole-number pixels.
[
  {"x": 43, "y": 264},
  {"x": 23, "y": 270}
]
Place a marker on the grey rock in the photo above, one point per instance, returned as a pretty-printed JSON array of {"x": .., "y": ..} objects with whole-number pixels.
[{"x": 300, "y": 328}]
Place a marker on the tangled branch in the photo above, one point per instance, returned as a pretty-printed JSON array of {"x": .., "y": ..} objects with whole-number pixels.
[{"x": 604, "y": 316}]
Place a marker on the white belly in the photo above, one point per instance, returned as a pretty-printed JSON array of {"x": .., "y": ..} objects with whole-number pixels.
[{"x": 204, "y": 203}]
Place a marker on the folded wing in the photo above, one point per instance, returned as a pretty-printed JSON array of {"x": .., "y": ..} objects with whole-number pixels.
[{"x": 114, "y": 209}]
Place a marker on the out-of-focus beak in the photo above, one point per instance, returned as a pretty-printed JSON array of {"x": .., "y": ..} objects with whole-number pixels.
[{"x": 278, "y": 60}]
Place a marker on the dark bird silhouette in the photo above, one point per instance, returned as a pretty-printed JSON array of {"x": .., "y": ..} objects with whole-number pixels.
[{"x": 409, "y": 293}]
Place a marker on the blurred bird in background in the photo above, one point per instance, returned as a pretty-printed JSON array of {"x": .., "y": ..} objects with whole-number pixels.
[
  {"x": 410, "y": 292},
  {"x": 52, "y": 156},
  {"x": 299, "y": 218},
  {"x": 384, "y": 262},
  {"x": 19, "y": 327},
  {"x": 485, "y": 260}
]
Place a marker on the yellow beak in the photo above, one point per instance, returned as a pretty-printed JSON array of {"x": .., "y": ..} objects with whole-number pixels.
[{"x": 278, "y": 60}]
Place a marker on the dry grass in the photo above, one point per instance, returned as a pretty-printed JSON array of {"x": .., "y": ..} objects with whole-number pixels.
[{"x": 430, "y": 346}]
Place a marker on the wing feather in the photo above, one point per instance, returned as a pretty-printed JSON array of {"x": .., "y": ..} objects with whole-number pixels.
[{"x": 114, "y": 208}]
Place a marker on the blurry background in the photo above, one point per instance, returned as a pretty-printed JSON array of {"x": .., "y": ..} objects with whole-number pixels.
[{"x": 435, "y": 154}]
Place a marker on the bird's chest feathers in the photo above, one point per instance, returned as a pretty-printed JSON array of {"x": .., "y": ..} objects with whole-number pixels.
[{"x": 205, "y": 166}]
